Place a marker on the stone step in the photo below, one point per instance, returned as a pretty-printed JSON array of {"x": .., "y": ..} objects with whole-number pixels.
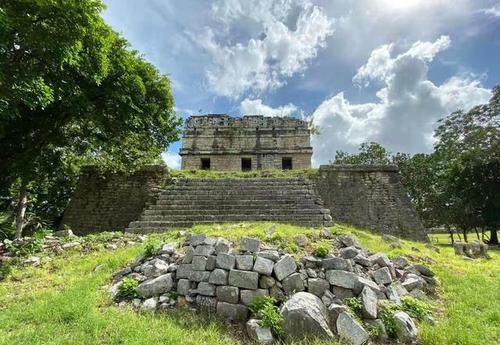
[
  {"x": 236, "y": 209},
  {"x": 223, "y": 218},
  {"x": 209, "y": 201}
]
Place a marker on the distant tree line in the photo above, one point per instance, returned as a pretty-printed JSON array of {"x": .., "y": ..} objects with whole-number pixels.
[
  {"x": 72, "y": 93},
  {"x": 457, "y": 186}
]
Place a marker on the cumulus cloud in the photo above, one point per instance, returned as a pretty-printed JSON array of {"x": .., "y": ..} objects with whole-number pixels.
[
  {"x": 279, "y": 39},
  {"x": 256, "y": 107},
  {"x": 408, "y": 105},
  {"x": 492, "y": 11},
  {"x": 173, "y": 160}
]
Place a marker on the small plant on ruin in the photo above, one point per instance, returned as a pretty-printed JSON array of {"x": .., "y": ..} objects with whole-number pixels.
[
  {"x": 322, "y": 249},
  {"x": 355, "y": 305},
  {"x": 387, "y": 310},
  {"x": 292, "y": 248},
  {"x": 151, "y": 248},
  {"x": 264, "y": 309},
  {"x": 415, "y": 308},
  {"x": 128, "y": 289}
]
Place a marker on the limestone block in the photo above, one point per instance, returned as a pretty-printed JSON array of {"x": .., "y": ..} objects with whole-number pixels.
[
  {"x": 235, "y": 312},
  {"x": 335, "y": 263},
  {"x": 244, "y": 279},
  {"x": 247, "y": 296},
  {"x": 263, "y": 266},
  {"x": 218, "y": 277},
  {"x": 199, "y": 263},
  {"x": 229, "y": 294},
  {"x": 225, "y": 261},
  {"x": 250, "y": 245},
  {"x": 293, "y": 283},
  {"x": 157, "y": 286},
  {"x": 317, "y": 286},
  {"x": 244, "y": 262},
  {"x": 284, "y": 267}
]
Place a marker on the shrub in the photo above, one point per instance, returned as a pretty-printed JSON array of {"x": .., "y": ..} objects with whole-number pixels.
[
  {"x": 415, "y": 308},
  {"x": 127, "y": 290},
  {"x": 27, "y": 246},
  {"x": 387, "y": 310},
  {"x": 5, "y": 269},
  {"x": 322, "y": 249},
  {"x": 292, "y": 248},
  {"x": 264, "y": 309},
  {"x": 151, "y": 248},
  {"x": 355, "y": 305}
]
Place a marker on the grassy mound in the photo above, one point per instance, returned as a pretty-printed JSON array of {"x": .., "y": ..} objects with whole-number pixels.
[{"x": 65, "y": 301}]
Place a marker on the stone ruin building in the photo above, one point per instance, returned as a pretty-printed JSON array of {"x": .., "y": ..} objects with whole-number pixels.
[
  {"x": 252, "y": 142},
  {"x": 148, "y": 200}
]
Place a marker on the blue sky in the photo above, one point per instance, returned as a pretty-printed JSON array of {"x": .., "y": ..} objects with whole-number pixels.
[{"x": 364, "y": 70}]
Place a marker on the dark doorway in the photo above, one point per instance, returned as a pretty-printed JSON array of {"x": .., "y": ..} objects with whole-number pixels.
[
  {"x": 286, "y": 163},
  {"x": 205, "y": 164},
  {"x": 246, "y": 164}
]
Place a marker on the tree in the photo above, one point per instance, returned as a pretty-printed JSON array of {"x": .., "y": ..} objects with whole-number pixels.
[
  {"x": 369, "y": 153},
  {"x": 71, "y": 92},
  {"x": 468, "y": 148}
]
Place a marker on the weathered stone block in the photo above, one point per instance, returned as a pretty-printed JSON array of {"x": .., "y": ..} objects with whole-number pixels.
[
  {"x": 382, "y": 276},
  {"x": 225, "y": 261},
  {"x": 244, "y": 279},
  {"x": 247, "y": 296},
  {"x": 249, "y": 244},
  {"x": 199, "y": 276},
  {"x": 293, "y": 283},
  {"x": 183, "y": 271},
  {"x": 183, "y": 286},
  {"x": 351, "y": 330},
  {"x": 317, "y": 286},
  {"x": 218, "y": 277},
  {"x": 284, "y": 267},
  {"x": 199, "y": 263},
  {"x": 206, "y": 289},
  {"x": 336, "y": 263},
  {"x": 204, "y": 250},
  {"x": 244, "y": 262},
  {"x": 229, "y": 294},
  {"x": 263, "y": 266},
  {"x": 343, "y": 279},
  {"x": 235, "y": 312},
  {"x": 156, "y": 286}
]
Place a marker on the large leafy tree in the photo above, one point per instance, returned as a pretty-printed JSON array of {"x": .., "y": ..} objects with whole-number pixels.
[
  {"x": 369, "y": 153},
  {"x": 468, "y": 148},
  {"x": 72, "y": 92}
]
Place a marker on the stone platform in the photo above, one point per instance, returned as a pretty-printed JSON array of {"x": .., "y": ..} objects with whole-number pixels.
[{"x": 203, "y": 201}]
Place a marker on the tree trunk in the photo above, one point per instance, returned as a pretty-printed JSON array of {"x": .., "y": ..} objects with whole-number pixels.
[
  {"x": 465, "y": 235},
  {"x": 21, "y": 210},
  {"x": 493, "y": 237}
]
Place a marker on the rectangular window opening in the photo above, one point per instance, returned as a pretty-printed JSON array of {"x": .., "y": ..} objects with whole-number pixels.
[
  {"x": 286, "y": 163},
  {"x": 205, "y": 164},
  {"x": 246, "y": 164}
]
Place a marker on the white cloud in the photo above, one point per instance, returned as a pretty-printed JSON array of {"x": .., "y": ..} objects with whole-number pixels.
[
  {"x": 173, "y": 160},
  {"x": 493, "y": 11},
  {"x": 408, "y": 105},
  {"x": 275, "y": 44},
  {"x": 256, "y": 107}
]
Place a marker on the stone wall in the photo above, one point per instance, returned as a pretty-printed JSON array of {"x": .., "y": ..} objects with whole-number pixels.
[
  {"x": 371, "y": 197},
  {"x": 111, "y": 201},
  {"x": 232, "y": 162},
  {"x": 226, "y": 140}
]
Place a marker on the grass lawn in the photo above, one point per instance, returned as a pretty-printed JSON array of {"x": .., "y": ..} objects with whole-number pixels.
[{"x": 66, "y": 302}]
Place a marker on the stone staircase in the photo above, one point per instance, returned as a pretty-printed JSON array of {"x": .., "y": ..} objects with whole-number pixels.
[{"x": 205, "y": 201}]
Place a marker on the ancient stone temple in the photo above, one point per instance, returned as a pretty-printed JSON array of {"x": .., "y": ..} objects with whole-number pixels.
[{"x": 252, "y": 142}]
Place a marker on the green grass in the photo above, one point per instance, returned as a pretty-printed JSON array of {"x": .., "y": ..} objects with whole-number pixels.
[
  {"x": 275, "y": 173},
  {"x": 66, "y": 301}
]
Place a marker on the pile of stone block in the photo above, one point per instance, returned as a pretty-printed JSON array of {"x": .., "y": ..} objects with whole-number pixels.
[{"x": 216, "y": 276}]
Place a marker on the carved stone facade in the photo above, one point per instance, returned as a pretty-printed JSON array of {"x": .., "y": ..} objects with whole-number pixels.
[{"x": 252, "y": 142}]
